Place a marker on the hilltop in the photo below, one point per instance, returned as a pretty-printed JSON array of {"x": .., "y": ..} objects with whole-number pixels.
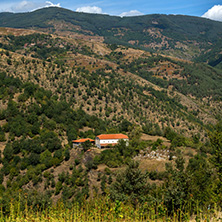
[{"x": 183, "y": 36}]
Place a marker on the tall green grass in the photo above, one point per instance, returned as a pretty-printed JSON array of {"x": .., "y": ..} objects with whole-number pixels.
[{"x": 103, "y": 209}]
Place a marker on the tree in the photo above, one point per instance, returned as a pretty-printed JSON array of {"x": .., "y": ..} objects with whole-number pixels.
[
  {"x": 201, "y": 179},
  {"x": 58, "y": 187},
  {"x": 103, "y": 184},
  {"x": 180, "y": 163},
  {"x": 124, "y": 149},
  {"x": 34, "y": 159},
  {"x": 216, "y": 142},
  {"x": 12, "y": 109},
  {"x": 86, "y": 145},
  {"x": 8, "y": 152},
  {"x": 169, "y": 133},
  {"x": 2, "y": 135},
  {"x": 67, "y": 155},
  {"x": 178, "y": 141},
  {"x": 130, "y": 185},
  {"x": 135, "y": 132},
  {"x": 176, "y": 186},
  {"x": 53, "y": 144},
  {"x": 46, "y": 158}
]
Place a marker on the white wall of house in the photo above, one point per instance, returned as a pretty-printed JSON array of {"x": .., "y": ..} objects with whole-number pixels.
[
  {"x": 109, "y": 141},
  {"x": 98, "y": 142}
]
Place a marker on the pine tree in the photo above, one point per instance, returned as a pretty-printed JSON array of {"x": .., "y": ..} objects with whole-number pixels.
[{"x": 130, "y": 185}]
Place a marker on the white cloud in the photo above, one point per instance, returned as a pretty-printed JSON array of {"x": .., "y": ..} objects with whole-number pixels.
[
  {"x": 90, "y": 9},
  {"x": 26, "y": 6},
  {"x": 215, "y": 13},
  {"x": 131, "y": 13},
  {"x": 47, "y": 4},
  {"x": 50, "y": 4}
]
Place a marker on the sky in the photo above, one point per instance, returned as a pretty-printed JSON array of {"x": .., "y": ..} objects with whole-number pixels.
[{"x": 211, "y": 9}]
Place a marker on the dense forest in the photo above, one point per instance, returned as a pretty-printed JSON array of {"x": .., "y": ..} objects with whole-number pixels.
[{"x": 177, "y": 35}]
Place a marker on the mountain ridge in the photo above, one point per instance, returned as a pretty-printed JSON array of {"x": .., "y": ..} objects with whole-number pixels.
[{"x": 185, "y": 37}]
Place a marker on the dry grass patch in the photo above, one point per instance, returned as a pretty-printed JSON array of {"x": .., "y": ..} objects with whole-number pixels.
[
  {"x": 146, "y": 137},
  {"x": 153, "y": 165}
]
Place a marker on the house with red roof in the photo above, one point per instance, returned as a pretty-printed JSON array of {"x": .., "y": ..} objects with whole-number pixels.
[
  {"x": 81, "y": 141},
  {"x": 107, "y": 140}
]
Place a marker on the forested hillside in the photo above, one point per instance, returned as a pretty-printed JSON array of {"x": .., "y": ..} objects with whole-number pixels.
[
  {"x": 61, "y": 82},
  {"x": 118, "y": 84},
  {"x": 178, "y": 35}
]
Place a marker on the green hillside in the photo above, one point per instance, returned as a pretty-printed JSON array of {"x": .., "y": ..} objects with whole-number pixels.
[
  {"x": 167, "y": 33},
  {"x": 60, "y": 81},
  {"x": 212, "y": 55},
  {"x": 116, "y": 86},
  {"x": 177, "y": 26}
]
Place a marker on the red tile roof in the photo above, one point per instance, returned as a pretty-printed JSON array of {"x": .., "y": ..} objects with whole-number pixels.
[
  {"x": 82, "y": 140},
  {"x": 112, "y": 136}
]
